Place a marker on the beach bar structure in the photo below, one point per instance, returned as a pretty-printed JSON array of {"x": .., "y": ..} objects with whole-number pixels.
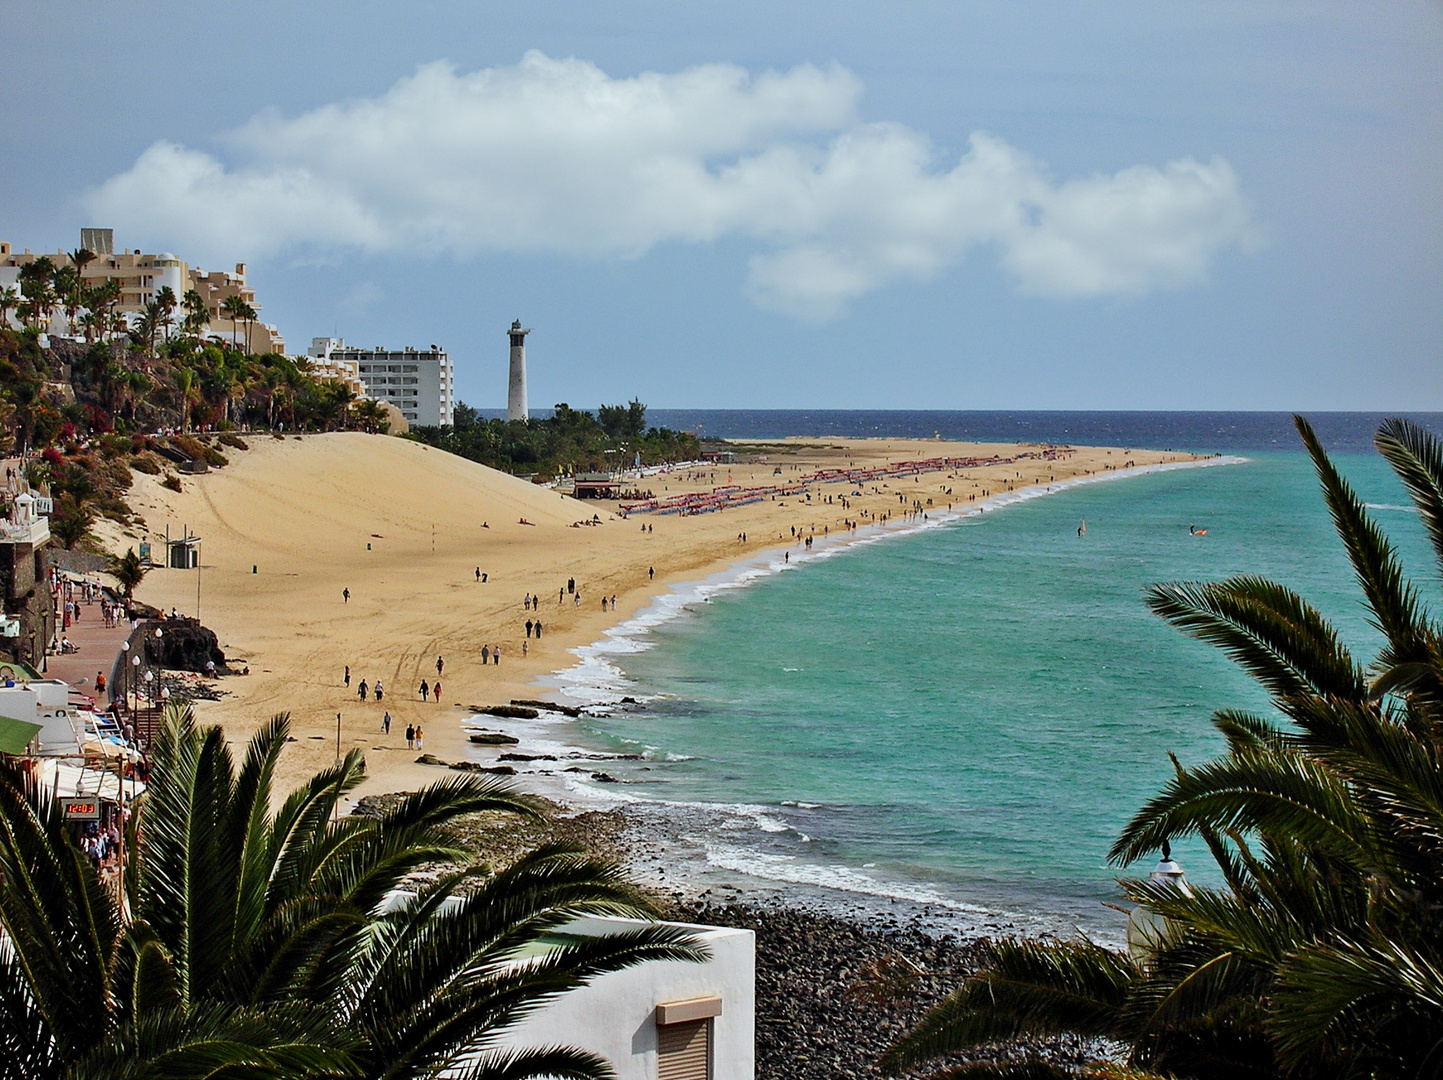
[
  {"x": 597, "y": 485},
  {"x": 182, "y": 552},
  {"x": 662, "y": 1020}
]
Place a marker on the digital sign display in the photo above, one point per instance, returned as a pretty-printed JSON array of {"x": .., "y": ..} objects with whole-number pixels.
[{"x": 80, "y": 809}]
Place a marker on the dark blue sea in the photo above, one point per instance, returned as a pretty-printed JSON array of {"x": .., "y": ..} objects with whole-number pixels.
[{"x": 1203, "y": 432}]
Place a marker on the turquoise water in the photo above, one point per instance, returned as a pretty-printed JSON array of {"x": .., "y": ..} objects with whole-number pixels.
[{"x": 973, "y": 711}]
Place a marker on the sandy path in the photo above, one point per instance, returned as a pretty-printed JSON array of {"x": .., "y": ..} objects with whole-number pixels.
[{"x": 286, "y": 526}]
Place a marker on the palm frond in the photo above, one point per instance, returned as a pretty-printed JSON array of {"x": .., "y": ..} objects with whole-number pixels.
[
  {"x": 1282, "y": 793},
  {"x": 1392, "y": 603},
  {"x": 1417, "y": 457},
  {"x": 1277, "y": 636},
  {"x": 1029, "y": 986},
  {"x": 1339, "y": 992}
]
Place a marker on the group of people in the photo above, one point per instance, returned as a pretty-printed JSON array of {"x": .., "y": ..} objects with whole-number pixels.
[
  {"x": 100, "y": 842},
  {"x": 363, "y": 690}
]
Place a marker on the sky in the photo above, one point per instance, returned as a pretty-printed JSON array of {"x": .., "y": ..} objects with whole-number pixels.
[{"x": 956, "y": 205}]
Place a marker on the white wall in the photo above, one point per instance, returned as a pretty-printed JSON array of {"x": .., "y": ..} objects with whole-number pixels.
[
  {"x": 43, "y": 703},
  {"x": 614, "y": 1016}
]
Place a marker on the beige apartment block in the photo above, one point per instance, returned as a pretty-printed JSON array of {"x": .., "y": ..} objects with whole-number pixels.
[{"x": 141, "y": 276}]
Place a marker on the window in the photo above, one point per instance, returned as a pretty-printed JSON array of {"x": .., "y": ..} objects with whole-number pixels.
[
  {"x": 409, "y": 381},
  {"x": 394, "y": 367},
  {"x": 365, "y": 367},
  {"x": 684, "y": 1038},
  {"x": 683, "y": 1051},
  {"x": 410, "y": 367}
]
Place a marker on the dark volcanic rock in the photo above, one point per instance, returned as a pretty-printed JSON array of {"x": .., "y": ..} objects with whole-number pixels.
[
  {"x": 513, "y": 712},
  {"x": 471, "y": 766},
  {"x": 548, "y": 706},
  {"x": 493, "y": 738},
  {"x": 185, "y": 645}
]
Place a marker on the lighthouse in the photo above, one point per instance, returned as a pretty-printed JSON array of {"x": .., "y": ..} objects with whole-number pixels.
[{"x": 516, "y": 389}]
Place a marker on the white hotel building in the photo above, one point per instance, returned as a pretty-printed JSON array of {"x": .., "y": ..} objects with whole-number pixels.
[{"x": 420, "y": 384}]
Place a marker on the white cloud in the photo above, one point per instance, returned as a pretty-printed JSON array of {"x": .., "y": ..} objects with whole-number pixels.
[{"x": 554, "y": 155}]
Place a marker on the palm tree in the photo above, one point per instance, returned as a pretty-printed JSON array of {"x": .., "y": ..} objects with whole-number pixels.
[
  {"x": 166, "y": 302},
  {"x": 283, "y": 918},
  {"x": 197, "y": 315},
  {"x": 74, "y": 297},
  {"x": 129, "y": 571},
  {"x": 369, "y": 416},
  {"x": 248, "y": 313},
  {"x": 147, "y": 328},
  {"x": 70, "y": 521},
  {"x": 80, "y": 258},
  {"x": 66, "y": 284},
  {"x": 1323, "y": 955},
  {"x": 185, "y": 383},
  {"x": 9, "y": 301},
  {"x": 37, "y": 280},
  {"x": 233, "y": 308}
]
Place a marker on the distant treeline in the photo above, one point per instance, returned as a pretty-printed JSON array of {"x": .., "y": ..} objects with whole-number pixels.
[{"x": 569, "y": 441}]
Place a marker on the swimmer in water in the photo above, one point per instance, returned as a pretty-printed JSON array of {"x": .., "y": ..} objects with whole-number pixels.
[{"x": 1195, "y": 531}]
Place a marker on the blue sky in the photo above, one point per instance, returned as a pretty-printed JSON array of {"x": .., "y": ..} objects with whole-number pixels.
[{"x": 939, "y": 205}]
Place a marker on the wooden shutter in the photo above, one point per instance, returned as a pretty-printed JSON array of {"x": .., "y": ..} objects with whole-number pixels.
[{"x": 683, "y": 1051}]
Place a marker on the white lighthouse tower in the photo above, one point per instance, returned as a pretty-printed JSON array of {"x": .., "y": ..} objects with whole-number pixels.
[{"x": 516, "y": 390}]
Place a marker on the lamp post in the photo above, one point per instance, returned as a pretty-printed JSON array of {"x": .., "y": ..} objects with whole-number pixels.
[
  {"x": 1145, "y": 928},
  {"x": 135, "y": 686}
]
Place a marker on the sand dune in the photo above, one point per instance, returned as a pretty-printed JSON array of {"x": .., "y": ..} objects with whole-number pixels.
[{"x": 286, "y": 526}]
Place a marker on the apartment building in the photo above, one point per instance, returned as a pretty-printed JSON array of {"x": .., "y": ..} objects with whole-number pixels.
[
  {"x": 141, "y": 276},
  {"x": 418, "y": 382}
]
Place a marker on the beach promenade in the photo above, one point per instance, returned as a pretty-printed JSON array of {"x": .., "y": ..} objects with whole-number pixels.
[
  {"x": 97, "y": 645},
  {"x": 328, "y": 551}
]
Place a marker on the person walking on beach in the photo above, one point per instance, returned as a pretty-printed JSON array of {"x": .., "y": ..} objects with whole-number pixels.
[
  {"x": 525, "y": 649},
  {"x": 496, "y": 655},
  {"x": 478, "y": 573},
  {"x": 347, "y": 679},
  {"x": 420, "y": 737},
  {"x": 613, "y": 601},
  {"x": 439, "y": 665},
  {"x": 379, "y": 689},
  {"x": 386, "y": 724},
  {"x": 529, "y": 624},
  {"x": 346, "y": 595},
  {"x": 650, "y": 572},
  {"x": 436, "y": 692},
  {"x": 561, "y": 597},
  {"x": 571, "y": 585},
  {"x": 362, "y": 689},
  {"x": 485, "y": 655},
  {"x": 410, "y": 736},
  {"x": 425, "y": 690},
  {"x": 538, "y": 629}
]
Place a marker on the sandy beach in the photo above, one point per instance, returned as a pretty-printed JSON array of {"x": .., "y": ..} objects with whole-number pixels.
[{"x": 291, "y": 524}]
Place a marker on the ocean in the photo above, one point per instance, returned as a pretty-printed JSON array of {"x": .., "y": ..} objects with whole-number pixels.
[{"x": 962, "y": 716}]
